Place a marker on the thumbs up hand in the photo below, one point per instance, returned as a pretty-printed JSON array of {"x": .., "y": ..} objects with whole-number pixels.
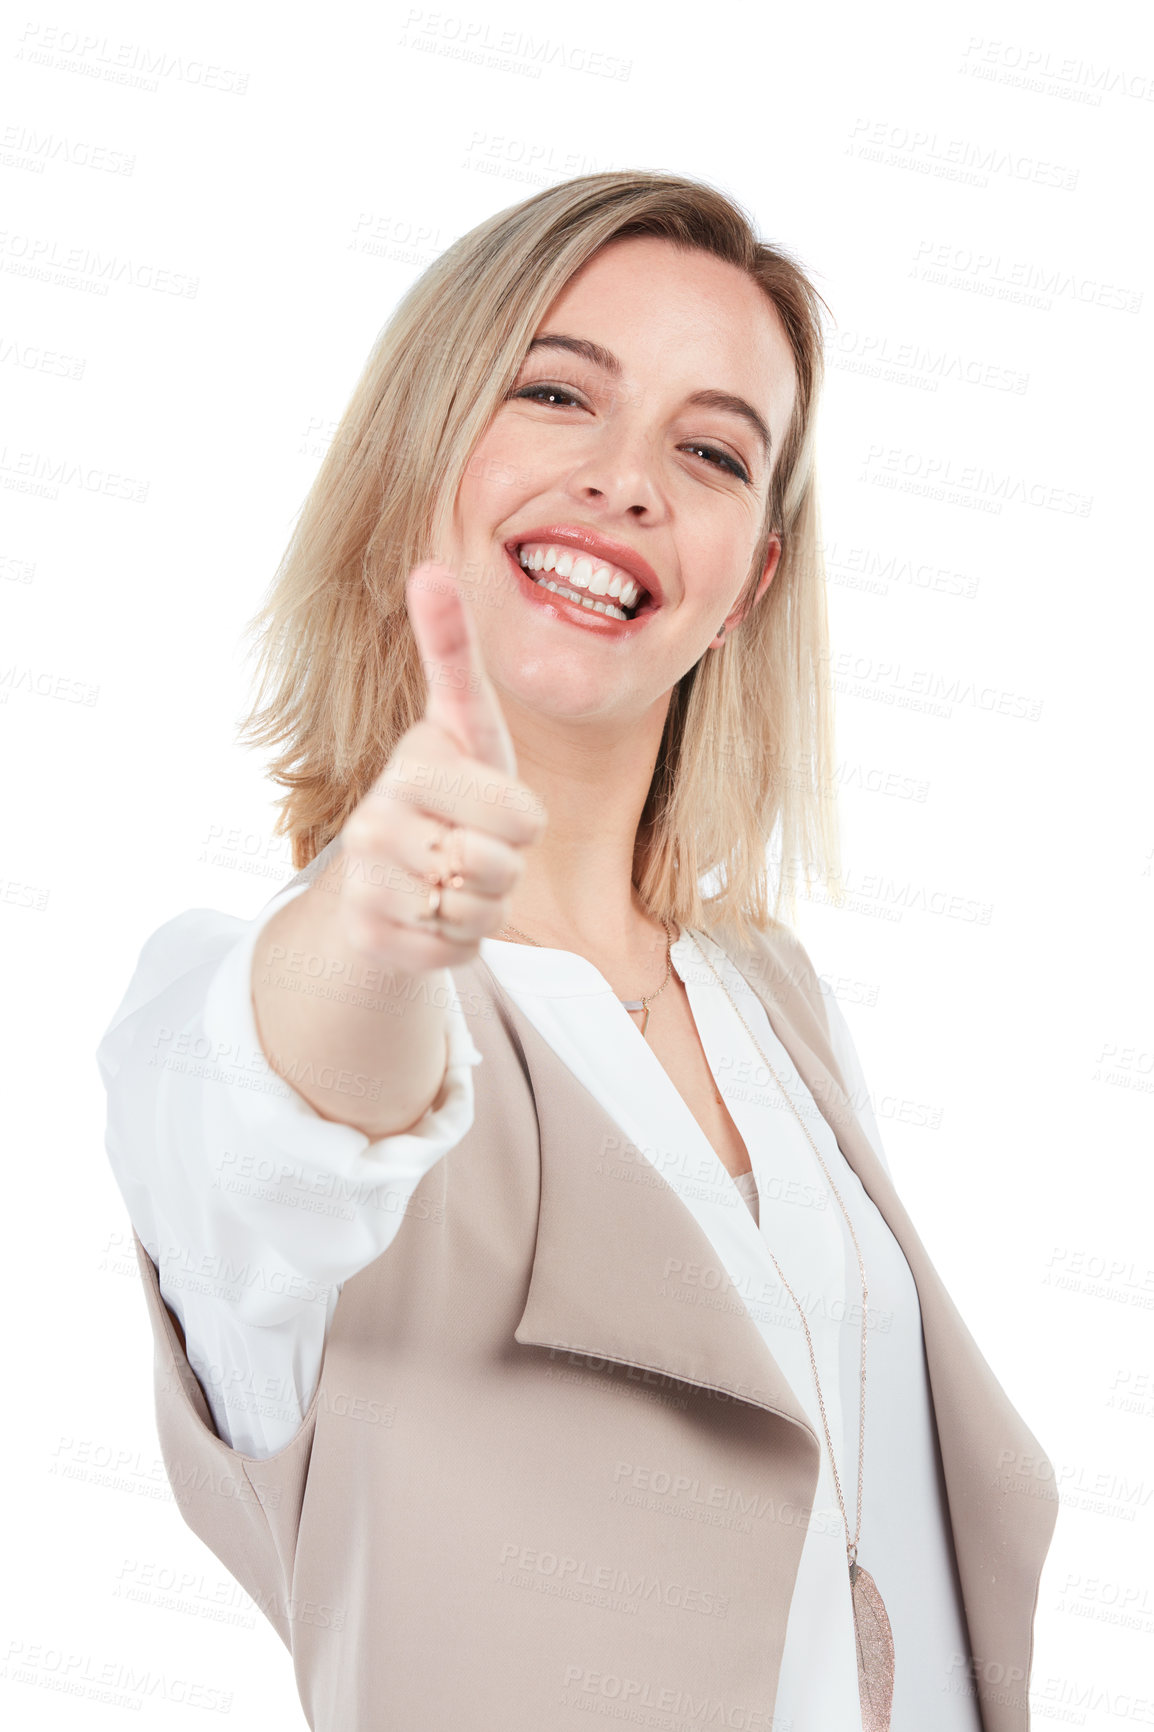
[{"x": 447, "y": 804}]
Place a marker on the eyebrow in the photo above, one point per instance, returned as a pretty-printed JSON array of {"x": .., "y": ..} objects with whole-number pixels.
[{"x": 607, "y": 361}]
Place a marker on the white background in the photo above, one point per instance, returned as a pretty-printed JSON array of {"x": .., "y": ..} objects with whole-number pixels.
[{"x": 967, "y": 189}]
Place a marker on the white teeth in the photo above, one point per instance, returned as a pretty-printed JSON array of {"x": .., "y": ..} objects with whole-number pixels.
[
  {"x": 583, "y": 573},
  {"x": 587, "y": 576},
  {"x": 562, "y": 589}
]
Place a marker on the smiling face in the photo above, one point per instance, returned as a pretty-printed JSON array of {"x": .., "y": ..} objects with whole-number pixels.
[{"x": 642, "y": 435}]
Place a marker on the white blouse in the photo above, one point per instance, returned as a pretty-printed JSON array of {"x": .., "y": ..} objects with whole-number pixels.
[{"x": 255, "y": 1210}]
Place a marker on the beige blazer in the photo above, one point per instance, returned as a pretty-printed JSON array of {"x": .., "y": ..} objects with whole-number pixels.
[{"x": 534, "y": 1482}]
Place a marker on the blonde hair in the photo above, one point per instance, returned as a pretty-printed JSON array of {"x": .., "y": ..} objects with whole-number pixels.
[{"x": 746, "y": 758}]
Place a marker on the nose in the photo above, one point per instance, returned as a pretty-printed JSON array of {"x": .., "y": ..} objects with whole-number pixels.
[{"x": 618, "y": 466}]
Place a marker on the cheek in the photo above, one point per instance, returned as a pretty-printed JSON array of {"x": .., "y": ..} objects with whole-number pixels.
[
  {"x": 714, "y": 564},
  {"x": 503, "y": 471}
]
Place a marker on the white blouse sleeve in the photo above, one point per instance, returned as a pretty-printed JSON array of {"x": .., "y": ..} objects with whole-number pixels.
[
  {"x": 849, "y": 1064},
  {"x": 253, "y": 1207}
]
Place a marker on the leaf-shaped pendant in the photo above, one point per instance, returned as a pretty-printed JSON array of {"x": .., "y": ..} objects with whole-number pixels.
[{"x": 875, "y": 1651}]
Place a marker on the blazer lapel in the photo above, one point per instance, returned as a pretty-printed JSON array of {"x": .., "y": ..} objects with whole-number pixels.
[{"x": 614, "y": 1241}]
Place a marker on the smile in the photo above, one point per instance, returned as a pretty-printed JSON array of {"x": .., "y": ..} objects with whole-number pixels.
[
  {"x": 586, "y": 586},
  {"x": 594, "y": 584}
]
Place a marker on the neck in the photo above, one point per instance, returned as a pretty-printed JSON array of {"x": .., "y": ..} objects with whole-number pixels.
[{"x": 577, "y": 890}]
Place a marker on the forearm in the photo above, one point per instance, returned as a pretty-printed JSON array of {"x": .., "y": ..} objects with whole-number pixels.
[{"x": 363, "y": 1046}]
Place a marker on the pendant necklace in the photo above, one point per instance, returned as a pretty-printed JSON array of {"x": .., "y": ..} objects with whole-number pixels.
[{"x": 873, "y": 1635}]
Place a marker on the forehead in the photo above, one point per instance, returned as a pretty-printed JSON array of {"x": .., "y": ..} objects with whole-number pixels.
[{"x": 684, "y": 318}]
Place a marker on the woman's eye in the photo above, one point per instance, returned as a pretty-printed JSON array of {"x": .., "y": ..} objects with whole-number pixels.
[
  {"x": 723, "y": 458},
  {"x": 551, "y": 391}
]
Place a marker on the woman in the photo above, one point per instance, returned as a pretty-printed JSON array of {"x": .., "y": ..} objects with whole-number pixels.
[{"x": 621, "y": 1351}]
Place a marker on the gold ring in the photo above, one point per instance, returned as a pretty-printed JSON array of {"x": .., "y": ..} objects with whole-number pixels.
[
  {"x": 436, "y": 845},
  {"x": 439, "y": 879}
]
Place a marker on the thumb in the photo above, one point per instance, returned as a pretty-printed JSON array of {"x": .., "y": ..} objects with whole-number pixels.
[{"x": 461, "y": 698}]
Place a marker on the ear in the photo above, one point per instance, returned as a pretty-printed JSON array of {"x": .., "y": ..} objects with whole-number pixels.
[{"x": 734, "y": 618}]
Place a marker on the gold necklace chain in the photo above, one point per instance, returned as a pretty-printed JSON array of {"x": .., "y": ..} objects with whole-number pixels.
[
  {"x": 629, "y": 1003},
  {"x": 851, "y": 1545}
]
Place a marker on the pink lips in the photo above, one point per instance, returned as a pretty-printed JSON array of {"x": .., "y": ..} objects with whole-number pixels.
[{"x": 599, "y": 547}]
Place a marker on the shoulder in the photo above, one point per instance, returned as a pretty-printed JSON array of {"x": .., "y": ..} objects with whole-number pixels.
[{"x": 774, "y": 957}]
